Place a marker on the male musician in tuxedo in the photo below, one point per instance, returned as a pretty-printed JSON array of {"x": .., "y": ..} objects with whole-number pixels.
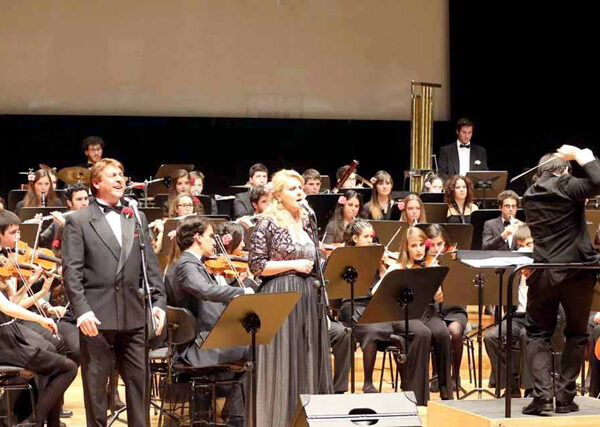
[
  {"x": 498, "y": 233},
  {"x": 312, "y": 181},
  {"x": 197, "y": 290},
  {"x": 460, "y": 157},
  {"x": 555, "y": 210},
  {"x": 102, "y": 270},
  {"x": 93, "y": 148},
  {"x": 258, "y": 175}
]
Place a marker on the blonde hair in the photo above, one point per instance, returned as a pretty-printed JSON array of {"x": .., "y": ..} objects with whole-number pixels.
[
  {"x": 276, "y": 210},
  {"x": 98, "y": 168},
  {"x": 422, "y": 214},
  {"x": 404, "y": 259}
]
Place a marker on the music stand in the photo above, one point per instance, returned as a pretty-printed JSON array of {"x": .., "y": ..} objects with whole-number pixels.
[
  {"x": 251, "y": 320},
  {"x": 224, "y": 205},
  {"x": 478, "y": 219},
  {"x": 483, "y": 295},
  {"x": 323, "y": 204},
  {"x": 152, "y": 214},
  {"x": 461, "y": 234},
  {"x": 436, "y": 212},
  {"x": 166, "y": 170},
  {"x": 432, "y": 197},
  {"x": 385, "y": 231},
  {"x": 28, "y": 233},
  {"x": 325, "y": 183},
  {"x": 349, "y": 273},
  {"x": 412, "y": 288},
  {"x": 488, "y": 183}
]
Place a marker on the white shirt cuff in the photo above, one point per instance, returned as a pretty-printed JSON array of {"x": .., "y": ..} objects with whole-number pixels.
[
  {"x": 585, "y": 156},
  {"x": 248, "y": 291},
  {"x": 84, "y": 317}
]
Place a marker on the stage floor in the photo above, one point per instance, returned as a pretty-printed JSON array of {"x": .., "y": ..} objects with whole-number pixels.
[{"x": 490, "y": 412}]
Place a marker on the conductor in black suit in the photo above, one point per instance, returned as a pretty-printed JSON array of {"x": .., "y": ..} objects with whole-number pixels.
[
  {"x": 102, "y": 270},
  {"x": 258, "y": 175},
  {"x": 462, "y": 156},
  {"x": 498, "y": 232},
  {"x": 555, "y": 210},
  {"x": 198, "y": 291}
]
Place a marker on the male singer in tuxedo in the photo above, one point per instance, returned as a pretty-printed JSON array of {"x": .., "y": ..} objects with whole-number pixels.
[
  {"x": 102, "y": 270},
  {"x": 462, "y": 156},
  {"x": 498, "y": 232},
  {"x": 555, "y": 210}
]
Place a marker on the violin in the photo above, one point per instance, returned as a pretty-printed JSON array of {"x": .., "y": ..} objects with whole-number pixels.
[
  {"x": 8, "y": 269},
  {"x": 220, "y": 265},
  {"x": 42, "y": 256}
]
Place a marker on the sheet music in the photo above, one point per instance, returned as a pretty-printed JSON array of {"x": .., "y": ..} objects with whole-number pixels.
[{"x": 497, "y": 261}]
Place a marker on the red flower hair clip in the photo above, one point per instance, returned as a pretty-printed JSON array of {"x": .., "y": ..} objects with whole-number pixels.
[
  {"x": 427, "y": 243},
  {"x": 373, "y": 180},
  {"x": 227, "y": 238},
  {"x": 195, "y": 200},
  {"x": 128, "y": 212},
  {"x": 56, "y": 243},
  {"x": 342, "y": 200},
  {"x": 401, "y": 205}
]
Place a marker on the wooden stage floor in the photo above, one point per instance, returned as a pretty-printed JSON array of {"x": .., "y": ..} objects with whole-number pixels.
[{"x": 74, "y": 395}]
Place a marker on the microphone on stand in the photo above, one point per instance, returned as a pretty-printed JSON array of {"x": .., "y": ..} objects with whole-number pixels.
[
  {"x": 43, "y": 199},
  {"x": 304, "y": 204},
  {"x": 133, "y": 204}
]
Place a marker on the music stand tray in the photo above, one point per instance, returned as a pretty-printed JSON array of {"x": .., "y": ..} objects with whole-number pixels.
[
  {"x": 423, "y": 283},
  {"x": 251, "y": 320},
  {"x": 488, "y": 184},
  {"x": 365, "y": 261},
  {"x": 385, "y": 230}
]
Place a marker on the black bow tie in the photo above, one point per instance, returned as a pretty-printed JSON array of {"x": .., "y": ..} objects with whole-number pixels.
[
  {"x": 465, "y": 145},
  {"x": 106, "y": 209},
  {"x": 506, "y": 223}
]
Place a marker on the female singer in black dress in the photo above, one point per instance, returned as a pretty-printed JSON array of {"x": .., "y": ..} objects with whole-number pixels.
[
  {"x": 16, "y": 350},
  {"x": 459, "y": 199},
  {"x": 282, "y": 253}
]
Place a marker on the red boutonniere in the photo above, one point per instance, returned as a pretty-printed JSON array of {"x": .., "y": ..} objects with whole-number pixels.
[
  {"x": 128, "y": 212},
  {"x": 56, "y": 243}
]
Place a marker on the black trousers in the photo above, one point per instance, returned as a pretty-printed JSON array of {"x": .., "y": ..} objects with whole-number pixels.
[
  {"x": 96, "y": 365},
  {"x": 442, "y": 350},
  {"x": 416, "y": 369},
  {"x": 575, "y": 295},
  {"x": 594, "y": 373},
  {"x": 339, "y": 339}
]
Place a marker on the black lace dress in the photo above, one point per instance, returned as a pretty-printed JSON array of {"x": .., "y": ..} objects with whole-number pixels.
[{"x": 289, "y": 365}]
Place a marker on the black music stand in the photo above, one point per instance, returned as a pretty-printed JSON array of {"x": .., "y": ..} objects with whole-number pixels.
[
  {"x": 152, "y": 214},
  {"x": 251, "y": 320},
  {"x": 323, "y": 204},
  {"x": 432, "y": 197},
  {"x": 484, "y": 293},
  {"x": 409, "y": 288},
  {"x": 478, "y": 219},
  {"x": 436, "y": 212},
  {"x": 325, "y": 183},
  {"x": 224, "y": 204},
  {"x": 488, "y": 183},
  {"x": 349, "y": 273},
  {"x": 461, "y": 234},
  {"x": 385, "y": 231}
]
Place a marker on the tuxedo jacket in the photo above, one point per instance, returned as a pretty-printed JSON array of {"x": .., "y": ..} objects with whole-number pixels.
[
  {"x": 449, "y": 163},
  {"x": 242, "y": 205},
  {"x": 492, "y": 236},
  {"x": 104, "y": 277},
  {"x": 555, "y": 211},
  {"x": 194, "y": 288}
]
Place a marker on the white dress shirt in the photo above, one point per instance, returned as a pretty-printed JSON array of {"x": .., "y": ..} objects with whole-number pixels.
[
  {"x": 114, "y": 220},
  {"x": 464, "y": 158}
]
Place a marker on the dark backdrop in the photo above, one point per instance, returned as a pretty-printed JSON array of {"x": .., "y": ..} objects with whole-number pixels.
[{"x": 526, "y": 74}]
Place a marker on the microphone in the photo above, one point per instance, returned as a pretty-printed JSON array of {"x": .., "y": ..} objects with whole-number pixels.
[
  {"x": 43, "y": 199},
  {"x": 133, "y": 204},
  {"x": 303, "y": 203}
]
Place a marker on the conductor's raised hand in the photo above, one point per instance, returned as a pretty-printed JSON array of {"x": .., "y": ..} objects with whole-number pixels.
[{"x": 567, "y": 152}]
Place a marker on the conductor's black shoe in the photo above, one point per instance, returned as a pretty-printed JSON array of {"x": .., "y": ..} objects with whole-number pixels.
[
  {"x": 537, "y": 406},
  {"x": 66, "y": 413},
  {"x": 566, "y": 407}
]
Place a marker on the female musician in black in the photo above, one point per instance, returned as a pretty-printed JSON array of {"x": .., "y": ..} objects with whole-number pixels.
[
  {"x": 41, "y": 192},
  {"x": 459, "y": 199},
  {"x": 381, "y": 203},
  {"x": 345, "y": 212}
]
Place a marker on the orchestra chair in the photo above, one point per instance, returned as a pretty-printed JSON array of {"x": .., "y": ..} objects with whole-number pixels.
[{"x": 7, "y": 374}]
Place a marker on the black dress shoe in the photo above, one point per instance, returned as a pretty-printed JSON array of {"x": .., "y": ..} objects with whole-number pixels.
[
  {"x": 66, "y": 413},
  {"x": 370, "y": 388},
  {"x": 566, "y": 407},
  {"x": 537, "y": 406}
]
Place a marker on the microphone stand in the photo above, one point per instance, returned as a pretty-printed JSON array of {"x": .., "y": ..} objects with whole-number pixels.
[
  {"x": 147, "y": 296},
  {"x": 322, "y": 299}
]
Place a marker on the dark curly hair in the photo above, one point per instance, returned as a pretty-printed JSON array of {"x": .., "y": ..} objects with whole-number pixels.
[
  {"x": 188, "y": 228},
  {"x": 451, "y": 184}
]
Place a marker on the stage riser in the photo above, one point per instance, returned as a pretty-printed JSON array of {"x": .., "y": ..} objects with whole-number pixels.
[{"x": 486, "y": 413}]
